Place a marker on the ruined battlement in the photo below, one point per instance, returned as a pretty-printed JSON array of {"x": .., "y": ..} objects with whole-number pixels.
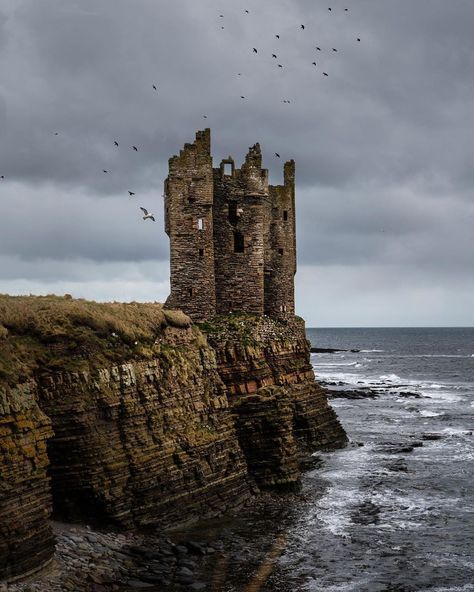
[{"x": 232, "y": 235}]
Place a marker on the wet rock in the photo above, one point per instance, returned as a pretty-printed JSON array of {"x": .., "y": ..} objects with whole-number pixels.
[
  {"x": 139, "y": 584},
  {"x": 196, "y": 548},
  {"x": 431, "y": 436}
]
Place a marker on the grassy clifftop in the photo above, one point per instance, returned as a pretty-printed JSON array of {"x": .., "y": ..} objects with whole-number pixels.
[{"x": 54, "y": 332}]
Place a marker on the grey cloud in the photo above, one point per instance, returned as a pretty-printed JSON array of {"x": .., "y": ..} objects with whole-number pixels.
[{"x": 383, "y": 145}]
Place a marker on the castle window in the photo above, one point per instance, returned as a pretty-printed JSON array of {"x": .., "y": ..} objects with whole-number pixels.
[
  {"x": 201, "y": 252},
  {"x": 233, "y": 218},
  {"x": 228, "y": 169},
  {"x": 238, "y": 242},
  {"x": 280, "y": 251},
  {"x": 191, "y": 198},
  {"x": 200, "y": 223},
  {"x": 191, "y": 292},
  {"x": 285, "y": 215}
]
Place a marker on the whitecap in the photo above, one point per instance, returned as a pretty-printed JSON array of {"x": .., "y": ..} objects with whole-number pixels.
[
  {"x": 390, "y": 378},
  {"x": 369, "y": 351},
  {"x": 430, "y": 413}
]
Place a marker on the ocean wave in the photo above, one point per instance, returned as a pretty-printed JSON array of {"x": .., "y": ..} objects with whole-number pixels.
[
  {"x": 369, "y": 351},
  {"x": 334, "y": 364},
  {"x": 425, "y": 413}
]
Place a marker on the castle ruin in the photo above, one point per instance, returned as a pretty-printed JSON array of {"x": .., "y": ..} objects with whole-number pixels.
[{"x": 232, "y": 235}]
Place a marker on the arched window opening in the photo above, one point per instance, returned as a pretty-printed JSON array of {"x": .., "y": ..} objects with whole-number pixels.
[{"x": 285, "y": 215}]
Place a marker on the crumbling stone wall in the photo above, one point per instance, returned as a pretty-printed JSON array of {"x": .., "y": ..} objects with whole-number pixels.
[
  {"x": 189, "y": 224},
  {"x": 244, "y": 260}
]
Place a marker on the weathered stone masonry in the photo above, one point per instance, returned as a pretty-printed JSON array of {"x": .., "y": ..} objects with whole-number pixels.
[{"x": 232, "y": 235}]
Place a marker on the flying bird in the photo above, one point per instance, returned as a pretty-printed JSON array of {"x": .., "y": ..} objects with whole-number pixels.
[
  {"x": 254, "y": 50},
  {"x": 318, "y": 48},
  {"x": 115, "y": 142},
  {"x": 273, "y": 55},
  {"x": 277, "y": 155},
  {"x": 247, "y": 11},
  {"x": 147, "y": 216},
  {"x": 135, "y": 148},
  {"x": 302, "y": 26},
  {"x": 346, "y": 10},
  {"x": 334, "y": 49},
  {"x": 2, "y": 176},
  {"x": 329, "y": 9},
  {"x": 104, "y": 171},
  {"x": 205, "y": 116},
  {"x": 130, "y": 193},
  {"x": 242, "y": 97},
  {"x": 325, "y": 74},
  {"x": 314, "y": 64},
  {"x": 358, "y": 38},
  {"x": 277, "y": 36},
  {"x": 280, "y": 66},
  {"x": 154, "y": 87},
  {"x": 56, "y": 133}
]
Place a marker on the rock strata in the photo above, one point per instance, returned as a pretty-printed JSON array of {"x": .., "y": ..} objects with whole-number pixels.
[
  {"x": 26, "y": 539},
  {"x": 129, "y": 416}
]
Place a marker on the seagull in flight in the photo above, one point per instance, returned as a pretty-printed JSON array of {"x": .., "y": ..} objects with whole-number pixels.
[
  {"x": 135, "y": 148},
  {"x": 277, "y": 36},
  {"x": 277, "y": 155},
  {"x": 147, "y": 216},
  {"x": 302, "y": 26},
  {"x": 115, "y": 143},
  {"x": 154, "y": 87},
  {"x": 130, "y": 193},
  {"x": 254, "y": 50},
  {"x": 104, "y": 171}
]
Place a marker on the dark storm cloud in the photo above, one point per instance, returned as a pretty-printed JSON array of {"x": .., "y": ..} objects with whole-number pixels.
[{"x": 383, "y": 145}]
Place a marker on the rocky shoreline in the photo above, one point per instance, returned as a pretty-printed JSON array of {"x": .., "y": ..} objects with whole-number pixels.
[{"x": 235, "y": 551}]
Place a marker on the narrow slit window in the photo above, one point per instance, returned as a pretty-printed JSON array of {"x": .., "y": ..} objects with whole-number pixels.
[
  {"x": 201, "y": 252},
  {"x": 228, "y": 169},
  {"x": 280, "y": 251},
  {"x": 200, "y": 223},
  {"x": 285, "y": 215},
  {"x": 233, "y": 212},
  {"x": 238, "y": 242},
  {"x": 191, "y": 198},
  {"x": 191, "y": 292}
]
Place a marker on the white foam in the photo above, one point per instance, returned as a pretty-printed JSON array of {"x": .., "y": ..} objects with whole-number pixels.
[
  {"x": 333, "y": 364},
  {"x": 430, "y": 413},
  {"x": 369, "y": 351},
  {"x": 391, "y": 378}
]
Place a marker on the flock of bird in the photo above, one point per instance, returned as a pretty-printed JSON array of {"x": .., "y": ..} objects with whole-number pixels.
[
  {"x": 146, "y": 214},
  {"x": 275, "y": 56}
]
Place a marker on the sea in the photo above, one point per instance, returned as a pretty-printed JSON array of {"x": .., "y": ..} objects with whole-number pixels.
[{"x": 394, "y": 510}]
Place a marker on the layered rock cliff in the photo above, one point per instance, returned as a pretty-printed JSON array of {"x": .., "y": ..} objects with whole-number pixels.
[
  {"x": 280, "y": 410},
  {"x": 131, "y": 416}
]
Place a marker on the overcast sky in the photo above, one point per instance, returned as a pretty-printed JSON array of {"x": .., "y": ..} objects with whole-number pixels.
[{"x": 384, "y": 145}]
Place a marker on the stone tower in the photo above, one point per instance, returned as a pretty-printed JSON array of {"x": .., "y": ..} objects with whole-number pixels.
[{"x": 232, "y": 235}]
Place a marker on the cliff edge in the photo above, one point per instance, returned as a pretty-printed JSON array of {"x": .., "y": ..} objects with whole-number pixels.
[{"x": 129, "y": 415}]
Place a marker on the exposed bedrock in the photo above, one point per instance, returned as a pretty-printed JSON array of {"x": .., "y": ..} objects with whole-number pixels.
[
  {"x": 26, "y": 539},
  {"x": 144, "y": 443},
  {"x": 254, "y": 353},
  {"x": 131, "y": 416}
]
